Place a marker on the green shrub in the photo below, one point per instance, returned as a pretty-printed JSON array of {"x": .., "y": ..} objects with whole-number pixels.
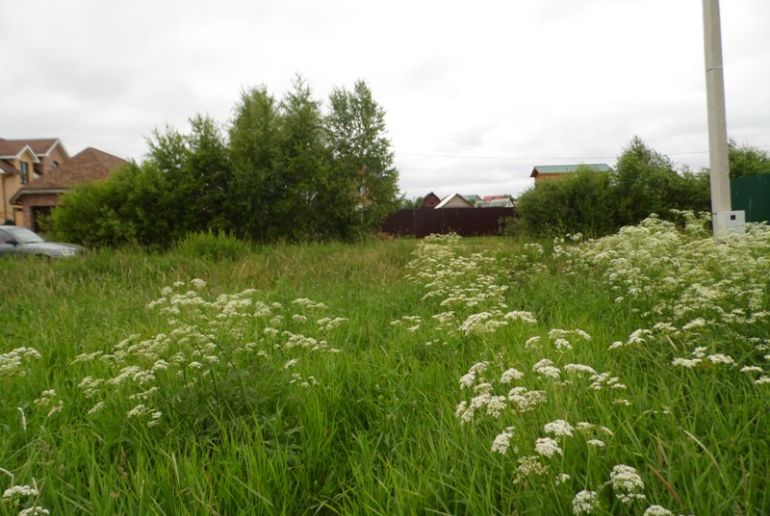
[{"x": 211, "y": 246}]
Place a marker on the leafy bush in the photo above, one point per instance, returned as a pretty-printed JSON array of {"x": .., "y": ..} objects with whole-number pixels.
[
  {"x": 596, "y": 203},
  {"x": 581, "y": 203},
  {"x": 213, "y": 246},
  {"x": 131, "y": 207}
]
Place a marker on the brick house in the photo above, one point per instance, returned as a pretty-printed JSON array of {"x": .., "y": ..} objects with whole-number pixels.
[
  {"x": 22, "y": 162},
  {"x": 37, "y": 198}
]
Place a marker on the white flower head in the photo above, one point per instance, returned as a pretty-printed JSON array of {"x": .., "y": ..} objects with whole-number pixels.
[
  {"x": 627, "y": 483},
  {"x": 585, "y": 502},
  {"x": 503, "y": 441},
  {"x": 558, "y": 428},
  {"x": 547, "y": 447},
  {"x": 511, "y": 374}
]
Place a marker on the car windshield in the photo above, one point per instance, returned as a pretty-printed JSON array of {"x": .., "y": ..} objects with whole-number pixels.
[{"x": 24, "y": 236}]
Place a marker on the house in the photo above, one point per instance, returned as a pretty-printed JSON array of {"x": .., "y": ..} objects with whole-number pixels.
[
  {"x": 454, "y": 201},
  {"x": 37, "y": 198},
  {"x": 22, "y": 161},
  {"x": 496, "y": 201},
  {"x": 549, "y": 172},
  {"x": 430, "y": 201}
]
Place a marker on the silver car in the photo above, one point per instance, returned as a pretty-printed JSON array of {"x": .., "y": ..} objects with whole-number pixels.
[{"x": 21, "y": 241}]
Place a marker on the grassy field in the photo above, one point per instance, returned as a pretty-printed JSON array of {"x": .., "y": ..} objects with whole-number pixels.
[{"x": 626, "y": 375}]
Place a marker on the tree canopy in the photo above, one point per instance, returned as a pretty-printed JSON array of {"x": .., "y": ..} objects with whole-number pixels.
[{"x": 281, "y": 169}]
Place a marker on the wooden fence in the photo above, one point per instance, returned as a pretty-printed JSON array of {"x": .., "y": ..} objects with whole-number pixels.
[{"x": 422, "y": 222}]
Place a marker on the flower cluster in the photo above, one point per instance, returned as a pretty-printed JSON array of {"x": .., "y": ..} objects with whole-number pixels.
[
  {"x": 13, "y": 362},
  {"x": 25, "y": 499},
  {"x": 467, "y": 289},
  {"x": 206, "y": 339}
]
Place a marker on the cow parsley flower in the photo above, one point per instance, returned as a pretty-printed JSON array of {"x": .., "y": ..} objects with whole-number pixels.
[
  {"x": 503, "y": 441},
  {"x": 657, "y": 510},
  {"x": 719, "y": 358},
  {"x": 585, "y": 502},
  {"x": 547, "y": 447},
  {"x": 511, "y": 374},
  {"x": 688, "y": 363},
  {"x": 558, "y": 428},
  {"x": 627, "y": 483},
  {"x": 532, "y": 341}
]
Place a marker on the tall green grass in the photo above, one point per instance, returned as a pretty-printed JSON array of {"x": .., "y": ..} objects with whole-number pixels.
[{"x": 378, "y": 434}]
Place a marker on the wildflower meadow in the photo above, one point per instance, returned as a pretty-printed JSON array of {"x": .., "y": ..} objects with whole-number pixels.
[{"x": 623, "y": 375}]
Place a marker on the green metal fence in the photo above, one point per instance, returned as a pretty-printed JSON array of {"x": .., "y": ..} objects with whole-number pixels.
[{"x": 752, "y": 194}]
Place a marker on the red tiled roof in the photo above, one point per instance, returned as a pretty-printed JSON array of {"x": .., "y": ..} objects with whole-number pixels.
[
  {"x": 86, "y": 166},
  {"x": 7, "y": 167},
  {"x": 38, "y": 145}
]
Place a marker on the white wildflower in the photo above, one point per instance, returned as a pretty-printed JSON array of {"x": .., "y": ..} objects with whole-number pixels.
[
  {"x": 511, "y": 374},
  {"x": 547, "y": 447},
  {"x": 558, "y": 428},
  {"x": 584, "y": 427},
  {"x": 657, "y": 510},
  {"x": 532, "y": 341},
  {"x": 627, "y": 483},
  {"x": 561, "y": 478},
  {"x": 198, "y": 283},
  {"x": 700, "y": 322},
  {"x": 751, "y": 369},
  {"x": 596, "y": 443},
  {"x": 503, "y": 441},
  {"x": 579, "y": 368},
  {"x": 529, "y": 466},
  {"x": 526, "y": 317},
  {"x": 719, "y": 358},
  {"x": 21, "y": 491},
  {"x": 585, "y": 502},
  {"x": 689, "y": 363}
]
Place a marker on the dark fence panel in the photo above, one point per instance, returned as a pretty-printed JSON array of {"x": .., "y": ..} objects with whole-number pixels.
[
  {"x": 752, "y": 194},
  {"x": 422, "y": 222}
]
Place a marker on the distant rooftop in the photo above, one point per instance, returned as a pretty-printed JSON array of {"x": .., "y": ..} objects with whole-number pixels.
[{"x": 568, "y": 169}]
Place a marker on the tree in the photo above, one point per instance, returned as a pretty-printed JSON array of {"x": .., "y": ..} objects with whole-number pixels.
[
  {"x": 747, "y": 161},
  {"x": 198, "y": 171},
  {"x": 300, "y": 180},
  {"x": 253, "y": 151},
  {"x": 361, "y": 153}
]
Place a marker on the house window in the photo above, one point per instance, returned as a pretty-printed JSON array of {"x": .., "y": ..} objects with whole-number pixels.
[{"x": 24, "y": 172}]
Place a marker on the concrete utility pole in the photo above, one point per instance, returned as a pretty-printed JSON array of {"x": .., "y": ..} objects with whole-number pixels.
[{"x": 723, "y": 218}]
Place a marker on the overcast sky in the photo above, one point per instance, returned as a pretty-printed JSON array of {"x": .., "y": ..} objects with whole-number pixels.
[{"x": 476, "y": 93}]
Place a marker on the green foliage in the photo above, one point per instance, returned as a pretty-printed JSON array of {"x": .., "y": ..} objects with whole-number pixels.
[
  {"x": 582, "y": 203},
  {"x": 254, "y": 154},
  {"x": 235, "y": 432},
  {"x": 747, "y": 161},
  {"x": 131, "y": 207},
  {"x": 213, "y": 246},
  {"x": 361, "y": 153},
  {"x": 198, "y": 173},
  {"x": 594, "y": 203},
  {"x": 285, "y": 172}
]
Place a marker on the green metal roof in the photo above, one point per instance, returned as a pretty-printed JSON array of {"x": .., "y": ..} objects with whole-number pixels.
[{"x": 568, "y": 169}]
